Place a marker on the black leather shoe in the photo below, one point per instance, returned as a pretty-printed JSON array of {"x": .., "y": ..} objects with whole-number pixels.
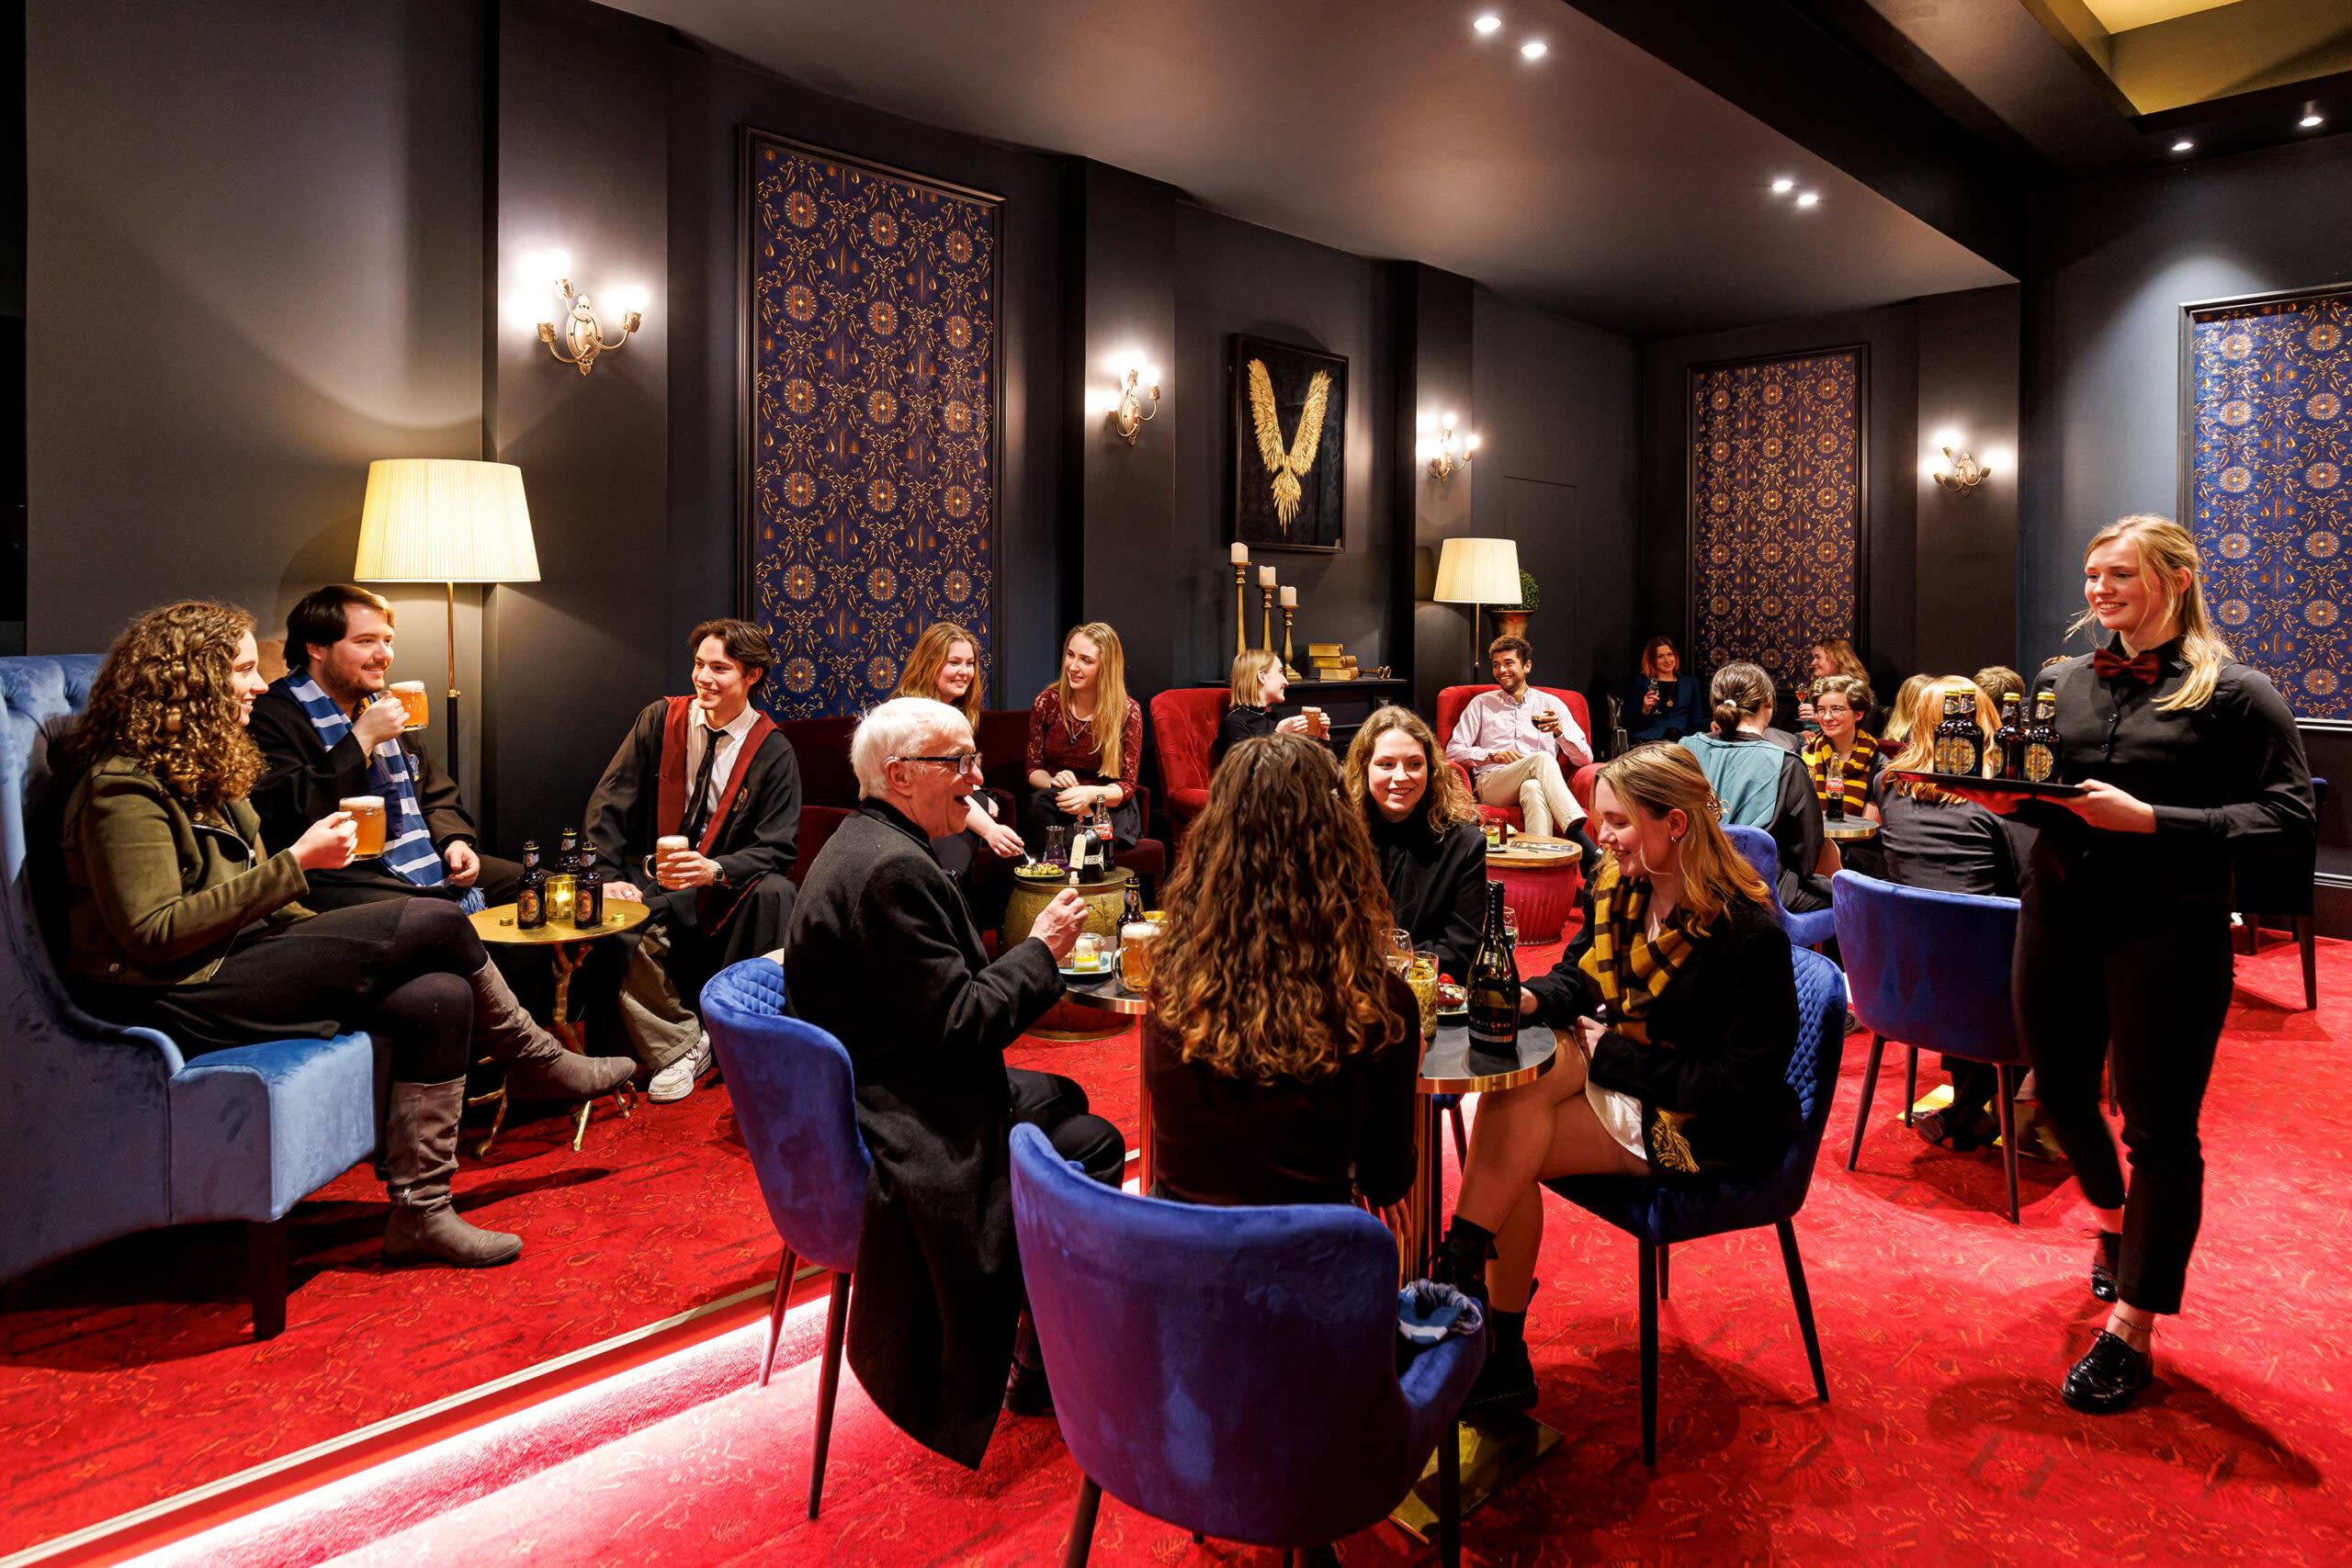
[
  {"x": 1506, "y": 1383},
  {"x": 1028, "y": 1393},
  {"x": 2106, "y": 1261},
  {"x": 2108, "y": 1378}
]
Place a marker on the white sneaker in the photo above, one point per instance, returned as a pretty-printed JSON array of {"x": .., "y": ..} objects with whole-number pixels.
[{"x": 676, "y": 1081}]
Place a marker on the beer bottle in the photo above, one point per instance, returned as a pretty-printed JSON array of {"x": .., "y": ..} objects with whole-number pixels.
[
  {"x": 567, "y": 854},
  {"x": 1942, "y": 759},
  {"x": 1967, "y": 754},
  {"x": 2042, "y": 756},
  {"x": 1131, "y": 911},
  {"x": 1493, "y": 982},
  {"x": 2009, "y": 744},
  {"x": 588, "y": 892},
  {"x": 531, "y": 892}
]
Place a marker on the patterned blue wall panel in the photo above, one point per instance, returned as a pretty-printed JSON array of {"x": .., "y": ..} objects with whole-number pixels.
[
  {"x": 1776, "y": 509},
  {"x": 2270, "y": 395},
  {"x": 872, "y": 505}
]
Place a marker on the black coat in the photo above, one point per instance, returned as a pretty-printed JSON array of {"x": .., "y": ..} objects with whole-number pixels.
[
  {"x": 884, "y": 955},
  {"x": 303, "y": 780},
  {"x": 1721, "y": 1035}
]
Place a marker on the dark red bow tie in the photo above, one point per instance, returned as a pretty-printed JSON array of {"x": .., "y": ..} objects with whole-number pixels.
[{"x": 2141, "y": 667}]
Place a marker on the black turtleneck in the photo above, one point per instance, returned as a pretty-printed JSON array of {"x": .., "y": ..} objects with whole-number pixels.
[
  {"x": 1242, "y": 722},
  {"x": 1437, "y": 882}
]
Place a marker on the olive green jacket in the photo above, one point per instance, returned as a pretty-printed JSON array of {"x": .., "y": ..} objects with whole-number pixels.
[{"x": 153, "y": 896}]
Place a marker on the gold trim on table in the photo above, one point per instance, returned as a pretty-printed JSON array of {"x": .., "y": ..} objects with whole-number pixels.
[
  {"x": 1511, "y": 854},
  {"x": 497, "y": 924}
]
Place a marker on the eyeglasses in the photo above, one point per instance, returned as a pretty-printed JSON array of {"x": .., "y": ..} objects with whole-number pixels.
[{"x": 965, "y": 763}]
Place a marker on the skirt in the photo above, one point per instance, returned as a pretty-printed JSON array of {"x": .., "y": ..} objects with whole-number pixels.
[
  {"x": 1619, "y": 1115},
  {"x": 315, "y": 978}
]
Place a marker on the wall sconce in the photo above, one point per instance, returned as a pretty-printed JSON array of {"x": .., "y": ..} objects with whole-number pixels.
[
  {"x": 1960, "y": 473},
  {"x": 583, "y": 334},
  {"x": 1437, "y": 449},
  {"x": 1126, "y": 408}
]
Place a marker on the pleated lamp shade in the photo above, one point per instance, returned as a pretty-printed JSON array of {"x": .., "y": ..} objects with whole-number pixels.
[
  {"x": 1478, "y": 571},
  {"x": 445, "y": 520}
]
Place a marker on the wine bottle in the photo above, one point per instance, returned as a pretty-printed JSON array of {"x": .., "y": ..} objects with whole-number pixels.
[
  {"x": 2009, "y": 744},
  {"x": 588, "y": 892},
  {"x": 1493, "y": 982},
  {"x": 2041, "y": 757},
  {"x": 531, "y": 891}
]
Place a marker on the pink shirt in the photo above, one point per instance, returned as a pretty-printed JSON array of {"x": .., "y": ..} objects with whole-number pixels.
[{"x": 1493, "y": 723}]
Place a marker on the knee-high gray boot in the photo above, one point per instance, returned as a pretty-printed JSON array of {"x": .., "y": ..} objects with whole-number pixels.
[
  {"x": 421, "y": 1152},
  {"x": 537, "y": 1064}
]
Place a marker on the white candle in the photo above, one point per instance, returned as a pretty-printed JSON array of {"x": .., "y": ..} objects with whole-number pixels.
[
  {"x": 1240, "y": 555},
  {"x": 1290, "y": 598},
  {"x": 1265, "y": 577}
]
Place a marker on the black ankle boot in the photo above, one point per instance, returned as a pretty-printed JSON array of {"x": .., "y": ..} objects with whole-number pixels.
[
  {"x": 1462, "y": 1261},
  {"x": 2106, "y": 1261},
  {"x": 1508, "y": 1379}
]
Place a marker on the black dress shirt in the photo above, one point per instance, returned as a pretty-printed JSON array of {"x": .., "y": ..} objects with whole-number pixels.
[
  {"x": 1437, "y": 883},
  {"x": 2226, "y": 779}
]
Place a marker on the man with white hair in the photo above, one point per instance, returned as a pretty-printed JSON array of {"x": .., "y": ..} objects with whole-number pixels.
[{"x": 884, "y": 954}]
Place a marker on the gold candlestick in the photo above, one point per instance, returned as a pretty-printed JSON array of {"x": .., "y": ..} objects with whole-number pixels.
[
  {"x": 1288, "y": 673},
  {"x": 1240, "y": 611},
  {"x": 1266, "y": 619}
]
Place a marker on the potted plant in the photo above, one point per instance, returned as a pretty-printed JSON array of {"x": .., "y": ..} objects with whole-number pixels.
[{"x": 1510, "y": 620}]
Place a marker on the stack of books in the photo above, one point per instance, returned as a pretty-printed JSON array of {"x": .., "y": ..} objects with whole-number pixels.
[{"x": 1330, "y": 661}]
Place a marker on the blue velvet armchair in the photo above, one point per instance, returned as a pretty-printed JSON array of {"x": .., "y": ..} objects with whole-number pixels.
[
  {"x": 106, "y": 1131},
  {"x": 795, "y": 1101},
  {"x": 1231, "y": 1371},
  {"x": 1756, "y": 848},
  {"x": 1657, "y": 1214},
  {"x": 1932, "y": 970}
]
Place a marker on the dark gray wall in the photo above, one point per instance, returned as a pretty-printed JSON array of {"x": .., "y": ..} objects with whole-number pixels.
[
  {"x": 1966, "y": 561},
  {"x": 1556, "y": 403},
  {"x": 1435, "y": 331},
  {"x": 2112, "y": 263},
  {"x": 254, "y": 266},
  {"x": 1231, "y": 278}
]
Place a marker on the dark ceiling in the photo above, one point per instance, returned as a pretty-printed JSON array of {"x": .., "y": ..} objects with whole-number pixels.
[{"x": 1597, "y": 181}]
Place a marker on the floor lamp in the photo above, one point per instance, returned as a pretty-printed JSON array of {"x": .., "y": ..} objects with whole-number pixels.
[
  {"x": 446, "y": 520},
  {"x": 1477, "y": 572}
]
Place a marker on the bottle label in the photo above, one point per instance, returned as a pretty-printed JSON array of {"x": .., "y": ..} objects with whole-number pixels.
[
  {"x": 2039, "y": 764},
  {"x": 1484, "y": 1032},
  {"x": 528, "y": 911}
]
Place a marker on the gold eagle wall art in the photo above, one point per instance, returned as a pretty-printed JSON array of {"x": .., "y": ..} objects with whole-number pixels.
[{"x": 1290, "y": 425}]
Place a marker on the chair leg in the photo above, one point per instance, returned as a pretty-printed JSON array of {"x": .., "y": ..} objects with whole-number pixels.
[
  {"x": 775, "y": 1313},
  {"x": 2307, "y": 937},
  {"x": 1649, "y": 1354},
  {"x": 827, "y": 1383},
  {"x": 1449, "y": 1497},
  {"x": 1870, "y": 1088},
  {"x": 1910, "y": 1083},
  {"x": 1804, "y": 1307},
  {"x": 266, "y": 1272},
  {"x": 1661, "y": 1271},
  {"x": 2005, "y": 1081},
  {"x": 1081, "y": 1524},
  {"x": 1462, "y": 1138}
]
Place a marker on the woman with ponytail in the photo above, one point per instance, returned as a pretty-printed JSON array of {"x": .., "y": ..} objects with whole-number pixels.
[
  {"x": 1676, "y": 1009},
  {"x": 2187, "y": 759},
  {"x": 1763, "y": 784}
]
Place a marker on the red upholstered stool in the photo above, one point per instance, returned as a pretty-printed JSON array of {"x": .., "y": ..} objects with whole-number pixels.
[{"x": 1540, "y": 885}]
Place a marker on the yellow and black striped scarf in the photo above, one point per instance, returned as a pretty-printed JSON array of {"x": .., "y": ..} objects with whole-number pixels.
[
  {"x": 1854, "y": 782},
  {"x": 1630, "y": 968}
]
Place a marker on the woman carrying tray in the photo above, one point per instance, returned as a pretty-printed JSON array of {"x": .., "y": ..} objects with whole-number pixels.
[{"x": 2185, "y": 759}]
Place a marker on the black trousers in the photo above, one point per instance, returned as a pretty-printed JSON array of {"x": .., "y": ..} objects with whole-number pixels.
[
  {"x": 2156, "y": 985},
  {"x": 1056, "y": 1106}
]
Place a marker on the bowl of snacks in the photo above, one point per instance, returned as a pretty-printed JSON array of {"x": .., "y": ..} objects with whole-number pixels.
[
  {"x": 1452, "y": 1000},
  {"x": 1039, "y": 871}
]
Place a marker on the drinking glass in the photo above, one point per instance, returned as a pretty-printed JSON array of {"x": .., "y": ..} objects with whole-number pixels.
[
  {"x": 1136, "y": 942},
  {"x": 412, "y": 700},
  {"x": 367, "y": 813},
  {"x": 1421, "y": 976},
  {"x": 1057, "y": 846},
  {"x": 1510, "y": 923}
]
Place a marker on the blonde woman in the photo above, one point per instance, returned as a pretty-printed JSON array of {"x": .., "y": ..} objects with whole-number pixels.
[
  {"x": 1675, "y": 1040},
  {"x": 1085, "y": 740},
  {"x": 1896, "y": 731},
  {"x": 1931, "y": 838},
  {"x": 945, "y": 668},
  {"x": 1276, "y": 1078},
  {"x": 2187, "y": 759},
  {"x": 1425, "y": 834},
  {"x": 1258, "y": 684}
]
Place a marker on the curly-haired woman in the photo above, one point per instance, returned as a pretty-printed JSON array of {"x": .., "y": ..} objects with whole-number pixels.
[
  {"x": 1675, "y": 1035},
  {"x": 174, "y": 915},
  {"x": 1425, "y": 833},
  {"x": 1279, "y": 1052}
]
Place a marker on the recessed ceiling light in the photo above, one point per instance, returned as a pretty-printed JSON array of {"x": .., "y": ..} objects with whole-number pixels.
[
  {"x": 2184, "y": 145},
  {"x": 1490, "y": 23},
  {"x": 2313, "y": 120},
  {"x": 1809, "y": 198},
  {"x": 1782, "y": 185},
  {"x": 1533, "y": 48}
]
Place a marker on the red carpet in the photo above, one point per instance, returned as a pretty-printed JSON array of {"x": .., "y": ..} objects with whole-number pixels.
[{"x": 1945, "y": 1329}]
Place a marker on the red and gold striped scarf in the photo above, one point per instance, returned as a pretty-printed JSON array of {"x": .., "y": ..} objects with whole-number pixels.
[
  {"x": 1854, "y": 780},
  {"x": 1631, "y": 968}
]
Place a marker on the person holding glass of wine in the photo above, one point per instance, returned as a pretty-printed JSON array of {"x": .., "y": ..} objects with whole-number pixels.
[
  {"x": 1675, "y": 1033},
  {"x": 1666, "y": 702}
]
